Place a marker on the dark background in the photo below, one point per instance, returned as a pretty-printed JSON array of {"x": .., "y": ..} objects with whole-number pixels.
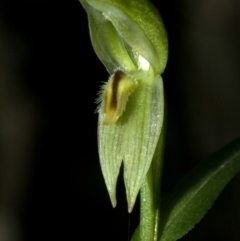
[{"x": 51, "y": 185}]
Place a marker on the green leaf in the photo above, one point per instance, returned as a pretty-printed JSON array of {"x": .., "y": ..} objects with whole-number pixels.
[{"x": 189, "y": 201}]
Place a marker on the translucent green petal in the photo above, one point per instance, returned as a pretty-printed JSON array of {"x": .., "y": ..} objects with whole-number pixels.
[
  {"x": 133, "y": 138},
  {"x": 107, "y": 43}
]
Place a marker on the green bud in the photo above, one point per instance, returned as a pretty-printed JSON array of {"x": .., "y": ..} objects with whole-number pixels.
[{"x": 129, "y": 38}]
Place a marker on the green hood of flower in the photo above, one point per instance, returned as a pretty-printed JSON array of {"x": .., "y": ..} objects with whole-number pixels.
[{"x": 121, "y": 30}]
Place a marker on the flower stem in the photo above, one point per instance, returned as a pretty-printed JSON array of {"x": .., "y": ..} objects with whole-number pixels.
[{"x": 148, "y": 229}]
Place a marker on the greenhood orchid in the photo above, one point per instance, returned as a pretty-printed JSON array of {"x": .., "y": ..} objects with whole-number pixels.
[{"x": 129, "y": 38}]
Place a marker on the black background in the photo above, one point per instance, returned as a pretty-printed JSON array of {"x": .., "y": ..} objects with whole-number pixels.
[{"x": 57, "y": 71}]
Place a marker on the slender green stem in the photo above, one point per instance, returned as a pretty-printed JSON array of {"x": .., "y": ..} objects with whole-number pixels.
[
  {"x": 148, "y": 229},
  {"x": 147, "y": 212}
]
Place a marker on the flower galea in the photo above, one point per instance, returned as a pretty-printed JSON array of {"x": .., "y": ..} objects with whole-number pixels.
[{"x": 129, "y": 38}]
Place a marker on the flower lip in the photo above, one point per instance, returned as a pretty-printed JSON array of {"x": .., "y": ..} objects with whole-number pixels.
[
  {"x": 115, "y": 96},
  {"x": 118, "y": 75}
]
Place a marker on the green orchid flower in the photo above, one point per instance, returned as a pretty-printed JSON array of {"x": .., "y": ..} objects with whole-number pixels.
[{"x": 129, "y": 38}]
